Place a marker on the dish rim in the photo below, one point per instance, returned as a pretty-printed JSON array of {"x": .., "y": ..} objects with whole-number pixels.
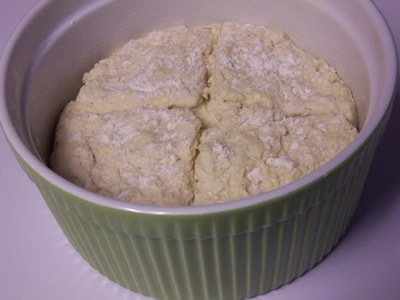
[{"x": 325, "y": 170}]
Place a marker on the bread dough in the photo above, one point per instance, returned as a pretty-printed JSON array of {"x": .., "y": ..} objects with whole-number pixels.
[{"x": 193, "y": 116}]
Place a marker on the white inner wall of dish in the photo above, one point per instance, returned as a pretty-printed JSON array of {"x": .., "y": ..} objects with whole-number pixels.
[
  {"x": 73, "y": 36},
  {"x": 98, "y": 28}
]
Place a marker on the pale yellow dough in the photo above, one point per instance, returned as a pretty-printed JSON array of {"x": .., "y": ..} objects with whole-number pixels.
[{"x": 193, "y": 116}]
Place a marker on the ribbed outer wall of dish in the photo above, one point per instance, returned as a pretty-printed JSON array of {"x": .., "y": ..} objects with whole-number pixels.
[{"x": 281, "y": 242}]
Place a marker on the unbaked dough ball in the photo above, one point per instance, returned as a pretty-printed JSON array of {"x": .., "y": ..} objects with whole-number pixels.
[{"x": 195, "y": 116}]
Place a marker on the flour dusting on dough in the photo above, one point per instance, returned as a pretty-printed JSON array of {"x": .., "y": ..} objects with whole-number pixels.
[{"x": 203, "y": 115}]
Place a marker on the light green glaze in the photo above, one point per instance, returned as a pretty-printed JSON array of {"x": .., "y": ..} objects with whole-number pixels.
[{"x": 226, "y": 255}]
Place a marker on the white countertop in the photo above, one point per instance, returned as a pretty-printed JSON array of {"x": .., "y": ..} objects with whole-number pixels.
[{"x": 37, "y": 262}]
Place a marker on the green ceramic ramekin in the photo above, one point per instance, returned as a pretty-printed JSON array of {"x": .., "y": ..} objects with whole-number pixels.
[{"x": 224, "y": 251}]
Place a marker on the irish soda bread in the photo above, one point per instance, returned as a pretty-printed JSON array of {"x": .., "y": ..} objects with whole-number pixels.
[{"x": 203, "y": 115}]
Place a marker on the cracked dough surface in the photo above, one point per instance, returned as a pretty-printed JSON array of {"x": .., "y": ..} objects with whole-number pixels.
[{"x": 192, "y": 116}]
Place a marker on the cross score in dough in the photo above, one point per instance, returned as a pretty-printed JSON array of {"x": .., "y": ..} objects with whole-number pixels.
[{"x": 192, "y": 116}]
